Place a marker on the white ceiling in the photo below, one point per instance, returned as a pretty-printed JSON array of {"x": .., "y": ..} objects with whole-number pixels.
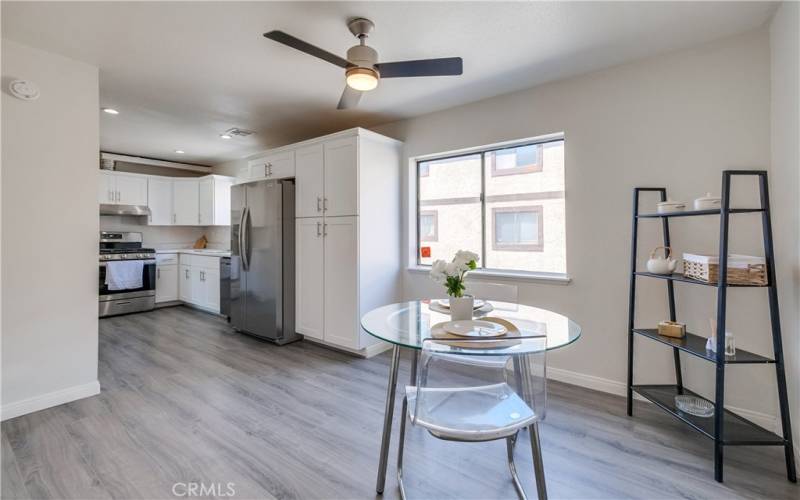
[{"x": 180, "y": 73}]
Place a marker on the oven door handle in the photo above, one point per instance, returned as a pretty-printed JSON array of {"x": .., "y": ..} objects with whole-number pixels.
[{"x": 145, "y": 261}]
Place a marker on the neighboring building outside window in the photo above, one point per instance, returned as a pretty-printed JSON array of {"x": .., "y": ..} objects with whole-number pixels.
[
  {"x": 514, "y": 161},
  {"x": 518, "y": 229},
  {"x": 506, "y": 204},
  {"x": 428, "y": 225}
]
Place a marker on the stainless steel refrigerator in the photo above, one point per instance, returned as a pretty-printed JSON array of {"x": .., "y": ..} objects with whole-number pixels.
[{"x": 262, "y": 260}]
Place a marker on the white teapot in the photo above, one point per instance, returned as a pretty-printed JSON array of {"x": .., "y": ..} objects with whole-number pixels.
[{"x": 661, "y": 265}]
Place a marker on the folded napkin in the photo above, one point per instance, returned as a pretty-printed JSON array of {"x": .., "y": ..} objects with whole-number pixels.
[{"x": 124, "y": 274}]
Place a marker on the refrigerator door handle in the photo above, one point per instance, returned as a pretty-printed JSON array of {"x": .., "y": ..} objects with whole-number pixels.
[
  {"x": 241, "y": 229},
  {"x": 244, "y": 249}
]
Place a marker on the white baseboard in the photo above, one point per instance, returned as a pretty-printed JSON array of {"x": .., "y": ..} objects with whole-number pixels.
[
  {"x": 765, "y": 420},
  {"x": 367, "y": 352},
  {"x": 377, "y": 348},
  {"x": 49, "y": 400}
]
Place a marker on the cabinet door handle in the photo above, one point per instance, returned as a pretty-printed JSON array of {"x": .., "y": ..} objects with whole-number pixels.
[
  {"x": 173, "y": 218},
  {"x": 186, "y": 272},
  {"x": 319, "y": 204},
  {"x": 158, "y": 273},
  {"x": 324, "y": 230},
  {"x": 319, "y": 224},
  {"x": 325, "y": 204}
]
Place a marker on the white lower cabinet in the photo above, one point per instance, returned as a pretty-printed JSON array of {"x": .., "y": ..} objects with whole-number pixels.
[
  {"x": 341, "y": 325},
  {"x": 185, "y": 277},
  {"x": 326, "y": 280},
  {"x": 309, "y": 276},
  {"x": 199, "y": 281},
  {"x": 166, "y": 277}
]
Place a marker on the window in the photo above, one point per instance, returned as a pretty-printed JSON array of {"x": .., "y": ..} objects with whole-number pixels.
[
  {"x": 428, "y": 225},
  {"x": 504, "y": 203},
  {"x": 517, "y": 229}
]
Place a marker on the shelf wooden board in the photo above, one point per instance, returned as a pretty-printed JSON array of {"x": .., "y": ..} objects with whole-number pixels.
[
  {"x": 737, "y": 430},
  {"x": 696, "y": 345},
  {"x": 684, "y": 279},
  {"x": 691, "y": 213}
]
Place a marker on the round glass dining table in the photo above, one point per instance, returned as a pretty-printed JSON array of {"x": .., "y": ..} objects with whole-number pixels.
[{"x": 407, "y": 324}]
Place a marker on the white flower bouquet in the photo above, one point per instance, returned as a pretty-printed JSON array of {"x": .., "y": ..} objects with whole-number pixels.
[{"x": 452, "y": 274}]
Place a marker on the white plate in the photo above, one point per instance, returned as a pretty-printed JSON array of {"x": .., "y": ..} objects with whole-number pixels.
[
  {"x": 478, "y": 303},
  {"x": 474, "y": 328}
]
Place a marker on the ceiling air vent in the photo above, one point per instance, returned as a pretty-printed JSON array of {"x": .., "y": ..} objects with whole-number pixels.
[{"x": 238, "y": 132}]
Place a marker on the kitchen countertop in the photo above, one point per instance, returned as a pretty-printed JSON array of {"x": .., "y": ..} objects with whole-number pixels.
[{"x": 208, "y": 252}]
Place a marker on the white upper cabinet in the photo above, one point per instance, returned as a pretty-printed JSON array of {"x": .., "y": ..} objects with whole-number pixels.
[
  {"x": 131, "y": 189},
  {"x": 120, "y": 188},
  {"x": 341, "y": 177},
  {"x": 186, "y": 202},
  {"x": 215, "y": 201},
  {"x": 273, "y": 166},
  {"x": 309, "y": 183},
  {"x": 106, "y": 187},
  {"x": 159, "y": 201}
]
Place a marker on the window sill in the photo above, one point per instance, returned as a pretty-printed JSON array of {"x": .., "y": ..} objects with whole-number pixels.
[{"x": 530, "y": 277}]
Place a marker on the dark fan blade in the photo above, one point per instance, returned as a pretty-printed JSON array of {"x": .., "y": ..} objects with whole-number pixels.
[
  {"x": 350, "y": 98},
  {"x": 296, "y": 43},
  {"x": 422, "y": 67}
]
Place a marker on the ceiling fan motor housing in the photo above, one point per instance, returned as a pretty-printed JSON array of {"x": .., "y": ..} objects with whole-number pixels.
[{"x": 363, "y": 56}]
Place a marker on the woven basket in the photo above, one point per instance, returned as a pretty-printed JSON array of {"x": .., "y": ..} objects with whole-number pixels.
[{"x": 738, "y": 273}]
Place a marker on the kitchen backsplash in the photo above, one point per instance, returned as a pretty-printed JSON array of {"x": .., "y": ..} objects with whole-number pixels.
[{"x": 161, "y": 237}]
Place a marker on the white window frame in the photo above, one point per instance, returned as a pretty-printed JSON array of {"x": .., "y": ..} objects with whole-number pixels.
[{"x": 412, "y": 236}]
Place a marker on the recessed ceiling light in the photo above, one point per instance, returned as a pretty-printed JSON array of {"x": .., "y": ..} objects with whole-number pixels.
[
  {"x": 224, "y": 136},
  {"x": 110, "y": 111},
  {"x": 180, "y": 151}
]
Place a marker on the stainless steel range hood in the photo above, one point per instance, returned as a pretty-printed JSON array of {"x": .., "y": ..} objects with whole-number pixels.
[{"x": 108, "y": 209}]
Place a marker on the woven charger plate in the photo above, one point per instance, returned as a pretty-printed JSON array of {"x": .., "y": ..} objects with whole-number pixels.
[{"x": 438, "y": 332}]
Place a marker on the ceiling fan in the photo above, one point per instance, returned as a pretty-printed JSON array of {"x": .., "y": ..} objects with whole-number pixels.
[{"x": 362, "y": 69}]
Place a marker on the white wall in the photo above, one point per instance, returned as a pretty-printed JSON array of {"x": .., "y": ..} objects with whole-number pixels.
[
  {"x": 785, "y": 45},
  {"x": 675, "y": 120},
  {"x": 49, "y": 240}
]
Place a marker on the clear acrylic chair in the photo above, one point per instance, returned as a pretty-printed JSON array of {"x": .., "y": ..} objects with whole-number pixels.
[{"x": 466, "y": 402}]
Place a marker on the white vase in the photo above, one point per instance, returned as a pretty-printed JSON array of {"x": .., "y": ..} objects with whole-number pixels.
[{"x": 461, "y": 308}]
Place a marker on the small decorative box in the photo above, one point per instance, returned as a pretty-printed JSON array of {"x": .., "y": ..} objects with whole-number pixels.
[{"x": 672, "y": 329}]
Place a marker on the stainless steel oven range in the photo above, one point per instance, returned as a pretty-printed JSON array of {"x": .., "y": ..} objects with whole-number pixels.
[{"x": 116, "y": 246}]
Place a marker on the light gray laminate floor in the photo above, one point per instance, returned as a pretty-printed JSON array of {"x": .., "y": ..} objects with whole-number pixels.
[{"x": 186, "y": 400}]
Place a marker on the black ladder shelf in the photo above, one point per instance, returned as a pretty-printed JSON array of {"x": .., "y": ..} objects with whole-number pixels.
[{"x": 726, "y": 428}]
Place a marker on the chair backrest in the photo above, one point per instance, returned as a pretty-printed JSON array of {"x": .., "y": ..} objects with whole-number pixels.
[
  {"x": 493, "y": 291},
  {"x": 518, "y": 370}
]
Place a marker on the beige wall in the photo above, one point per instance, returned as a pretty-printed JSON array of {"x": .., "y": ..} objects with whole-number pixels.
[
  {"x": 675, "y": 120},
  {"x": 785, "y": 43},
  {"x": 49, "y": 240}
]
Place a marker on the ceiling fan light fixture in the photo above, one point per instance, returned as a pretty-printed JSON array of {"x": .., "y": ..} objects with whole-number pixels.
[{"x": 362, "y": 79}]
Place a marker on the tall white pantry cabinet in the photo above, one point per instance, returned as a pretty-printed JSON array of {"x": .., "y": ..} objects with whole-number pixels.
[{"x": 347, "y": 235}]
